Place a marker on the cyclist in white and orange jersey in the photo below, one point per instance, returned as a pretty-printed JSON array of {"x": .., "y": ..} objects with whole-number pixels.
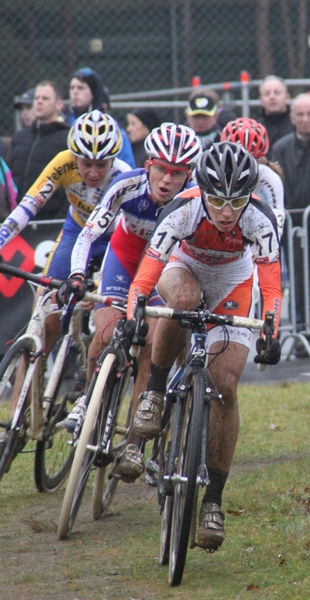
[{"x": 204, "y": 245}]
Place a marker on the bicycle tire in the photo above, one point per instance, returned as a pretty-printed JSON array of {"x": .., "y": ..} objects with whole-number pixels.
[
  {"x": 54, "y": 454},
  {"x": 167, "y": 451},
  {"x": 84, "y": 458},
  {"x": 17, "y": 437},
  {"x": 188, "y": 463},
  {"x": 105, "y": 483}
]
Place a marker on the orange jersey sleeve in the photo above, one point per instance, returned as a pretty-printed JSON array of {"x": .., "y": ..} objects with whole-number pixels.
[
  {"x": 146, "y": 278},
  {"x": 269, "y": 276}
]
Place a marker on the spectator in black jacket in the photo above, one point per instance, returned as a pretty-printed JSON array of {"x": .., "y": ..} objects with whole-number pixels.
[
  {"x": 34, "y": 147},
  {"x": 293, "y": 154},
  {"x": 274, "y": 99}
]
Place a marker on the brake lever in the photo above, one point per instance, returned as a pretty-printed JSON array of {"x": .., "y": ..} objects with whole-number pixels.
[
  {"x": 139, "y": 318},
  {"x": 268, "y": 331}
]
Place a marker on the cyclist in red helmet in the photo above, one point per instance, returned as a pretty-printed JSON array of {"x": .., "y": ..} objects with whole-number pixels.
[{"x": 254, "y": 138}]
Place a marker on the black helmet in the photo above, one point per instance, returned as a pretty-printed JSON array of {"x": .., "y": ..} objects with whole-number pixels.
[{"x": 227, "y": 170}]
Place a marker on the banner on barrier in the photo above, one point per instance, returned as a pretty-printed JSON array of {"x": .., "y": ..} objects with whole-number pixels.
[{"x": 28, "y": 251}]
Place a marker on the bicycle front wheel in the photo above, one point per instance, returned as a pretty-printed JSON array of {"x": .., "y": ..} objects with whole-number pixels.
[
  {"x": 85, "y": 453},
  {"x": 13, "y": 368},
  {"x": 186, "y": 477},
  {"x": 54, "y": 454}
]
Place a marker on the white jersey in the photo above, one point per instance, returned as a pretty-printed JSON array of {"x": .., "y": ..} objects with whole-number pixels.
[{"x": 270, "y": 189}]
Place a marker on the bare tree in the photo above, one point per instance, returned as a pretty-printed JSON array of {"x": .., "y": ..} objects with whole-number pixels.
[
  {"x": 296, "y": 47},
  {"x": 263, "y": 41}
]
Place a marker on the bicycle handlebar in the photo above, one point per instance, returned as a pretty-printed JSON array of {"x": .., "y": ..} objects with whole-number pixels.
[
  {"x": 43, "y": 280},
  {"x": 191, "y": 315}
]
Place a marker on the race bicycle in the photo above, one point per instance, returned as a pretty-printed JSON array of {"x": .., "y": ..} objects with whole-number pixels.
[
  {"x": 40, "y": 406},
  {"x": 181, "y": 449},
  {"x": 102, "y": 436}
]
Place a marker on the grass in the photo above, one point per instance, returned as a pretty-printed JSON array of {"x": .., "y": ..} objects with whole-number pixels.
[{"x": 267, "y": 503}]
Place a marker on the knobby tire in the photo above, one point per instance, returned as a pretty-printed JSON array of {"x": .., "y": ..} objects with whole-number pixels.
[
  {"x": 84, "y": 458},
  {"x": 188, "y": 464},
  {"x": 54, "y": 454},
  {"x": 105, "y": 483},
  {"x": 17, "y": 437}
]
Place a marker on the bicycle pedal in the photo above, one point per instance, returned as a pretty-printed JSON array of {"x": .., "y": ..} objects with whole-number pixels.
[{"x": 150, "y": 479}]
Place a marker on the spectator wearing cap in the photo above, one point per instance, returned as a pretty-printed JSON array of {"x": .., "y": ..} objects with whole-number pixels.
[
  {"x": 140, "y": 123},
  {"x": 202, "y": 116},
  {"x": 25, "y": 105},
  {"x": 87, "y": 93}
]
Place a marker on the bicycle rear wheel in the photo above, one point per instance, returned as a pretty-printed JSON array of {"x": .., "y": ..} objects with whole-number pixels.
[
  {"x": 54, "y": 454},
  {"x": 106, "y": 481},
  {"x": 186, "y": 477},
  {"x": 84, "y": 458},
  {"x": 13, "y": 368}
]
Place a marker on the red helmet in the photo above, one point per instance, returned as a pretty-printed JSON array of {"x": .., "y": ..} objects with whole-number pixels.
[{"x": 248, "y": 132}]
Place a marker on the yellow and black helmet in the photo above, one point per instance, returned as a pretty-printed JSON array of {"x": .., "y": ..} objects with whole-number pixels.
[{"x": 95, "y": 135}]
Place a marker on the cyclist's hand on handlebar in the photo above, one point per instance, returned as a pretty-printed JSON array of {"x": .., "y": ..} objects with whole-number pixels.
[
  {"x": 130, "y": 328},
  {"x": 270, "y": 356},
  {"x": 73, "y": 285}
]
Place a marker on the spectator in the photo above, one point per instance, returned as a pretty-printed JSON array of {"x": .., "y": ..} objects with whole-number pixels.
[
  {"x": 202, "y": 116},
  {"x": 34, "y": 147},
  {"x": 8, "y": 191},
  {"x": 141, "y": 121},
  {"x": 275, "y": 116},
  {"x": 87, "y": 93},
  {"x": 293, "y": 153},
  {"x": 25, "y": 105}
]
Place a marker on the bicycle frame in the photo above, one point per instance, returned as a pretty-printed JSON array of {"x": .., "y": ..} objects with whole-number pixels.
[{"x": 34, "y": 379}]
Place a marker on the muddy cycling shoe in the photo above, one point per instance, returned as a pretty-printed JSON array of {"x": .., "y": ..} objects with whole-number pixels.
[
  {"x": 78, "y": 412},
  {"x": 211, "y": 532},
  {"x": 147, "y": 420},
  {"x": 79, "y": 386},
  {"x": 131, "y": 465}
]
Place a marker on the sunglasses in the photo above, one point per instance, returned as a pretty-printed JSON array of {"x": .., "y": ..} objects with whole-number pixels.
[
  {"x": 174, "y": 172},
  {"x": 219, "y": 203}
]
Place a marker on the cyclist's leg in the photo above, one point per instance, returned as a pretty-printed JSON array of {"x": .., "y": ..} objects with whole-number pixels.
[
  {"x": 180, "y": 289},
  {"x": 226, "y": 369}
]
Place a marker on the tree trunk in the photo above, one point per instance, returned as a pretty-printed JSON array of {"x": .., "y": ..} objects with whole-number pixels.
[{"x": 262, "y": 42}]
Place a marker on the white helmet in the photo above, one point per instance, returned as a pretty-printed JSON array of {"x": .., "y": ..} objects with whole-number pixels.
[
  {"x": 174, "y": 143},
  {"x": 95, "y": 135}
]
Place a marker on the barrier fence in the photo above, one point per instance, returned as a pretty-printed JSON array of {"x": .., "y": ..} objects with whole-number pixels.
[{"x": 295, "y": 326}]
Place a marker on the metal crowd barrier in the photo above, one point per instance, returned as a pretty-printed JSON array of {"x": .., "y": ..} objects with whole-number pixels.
[{"x": 289, "y": 329}]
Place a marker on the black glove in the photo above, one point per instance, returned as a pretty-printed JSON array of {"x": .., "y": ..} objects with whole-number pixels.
[
  {"x": 129, "y": 330},
  {"x": 73, "y": 285},
  {"x": 273, "y": 354}
]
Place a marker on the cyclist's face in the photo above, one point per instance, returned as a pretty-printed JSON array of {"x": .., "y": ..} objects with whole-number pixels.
[
  {"x": 224, "y": 219},
  {"x": 80, "y": 94},
  {"x": 93, "y": 172},
  {"x": 165, "y": 184}
]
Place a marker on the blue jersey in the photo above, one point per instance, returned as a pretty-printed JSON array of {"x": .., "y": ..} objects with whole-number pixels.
[{"x": 130, "y": 192}]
